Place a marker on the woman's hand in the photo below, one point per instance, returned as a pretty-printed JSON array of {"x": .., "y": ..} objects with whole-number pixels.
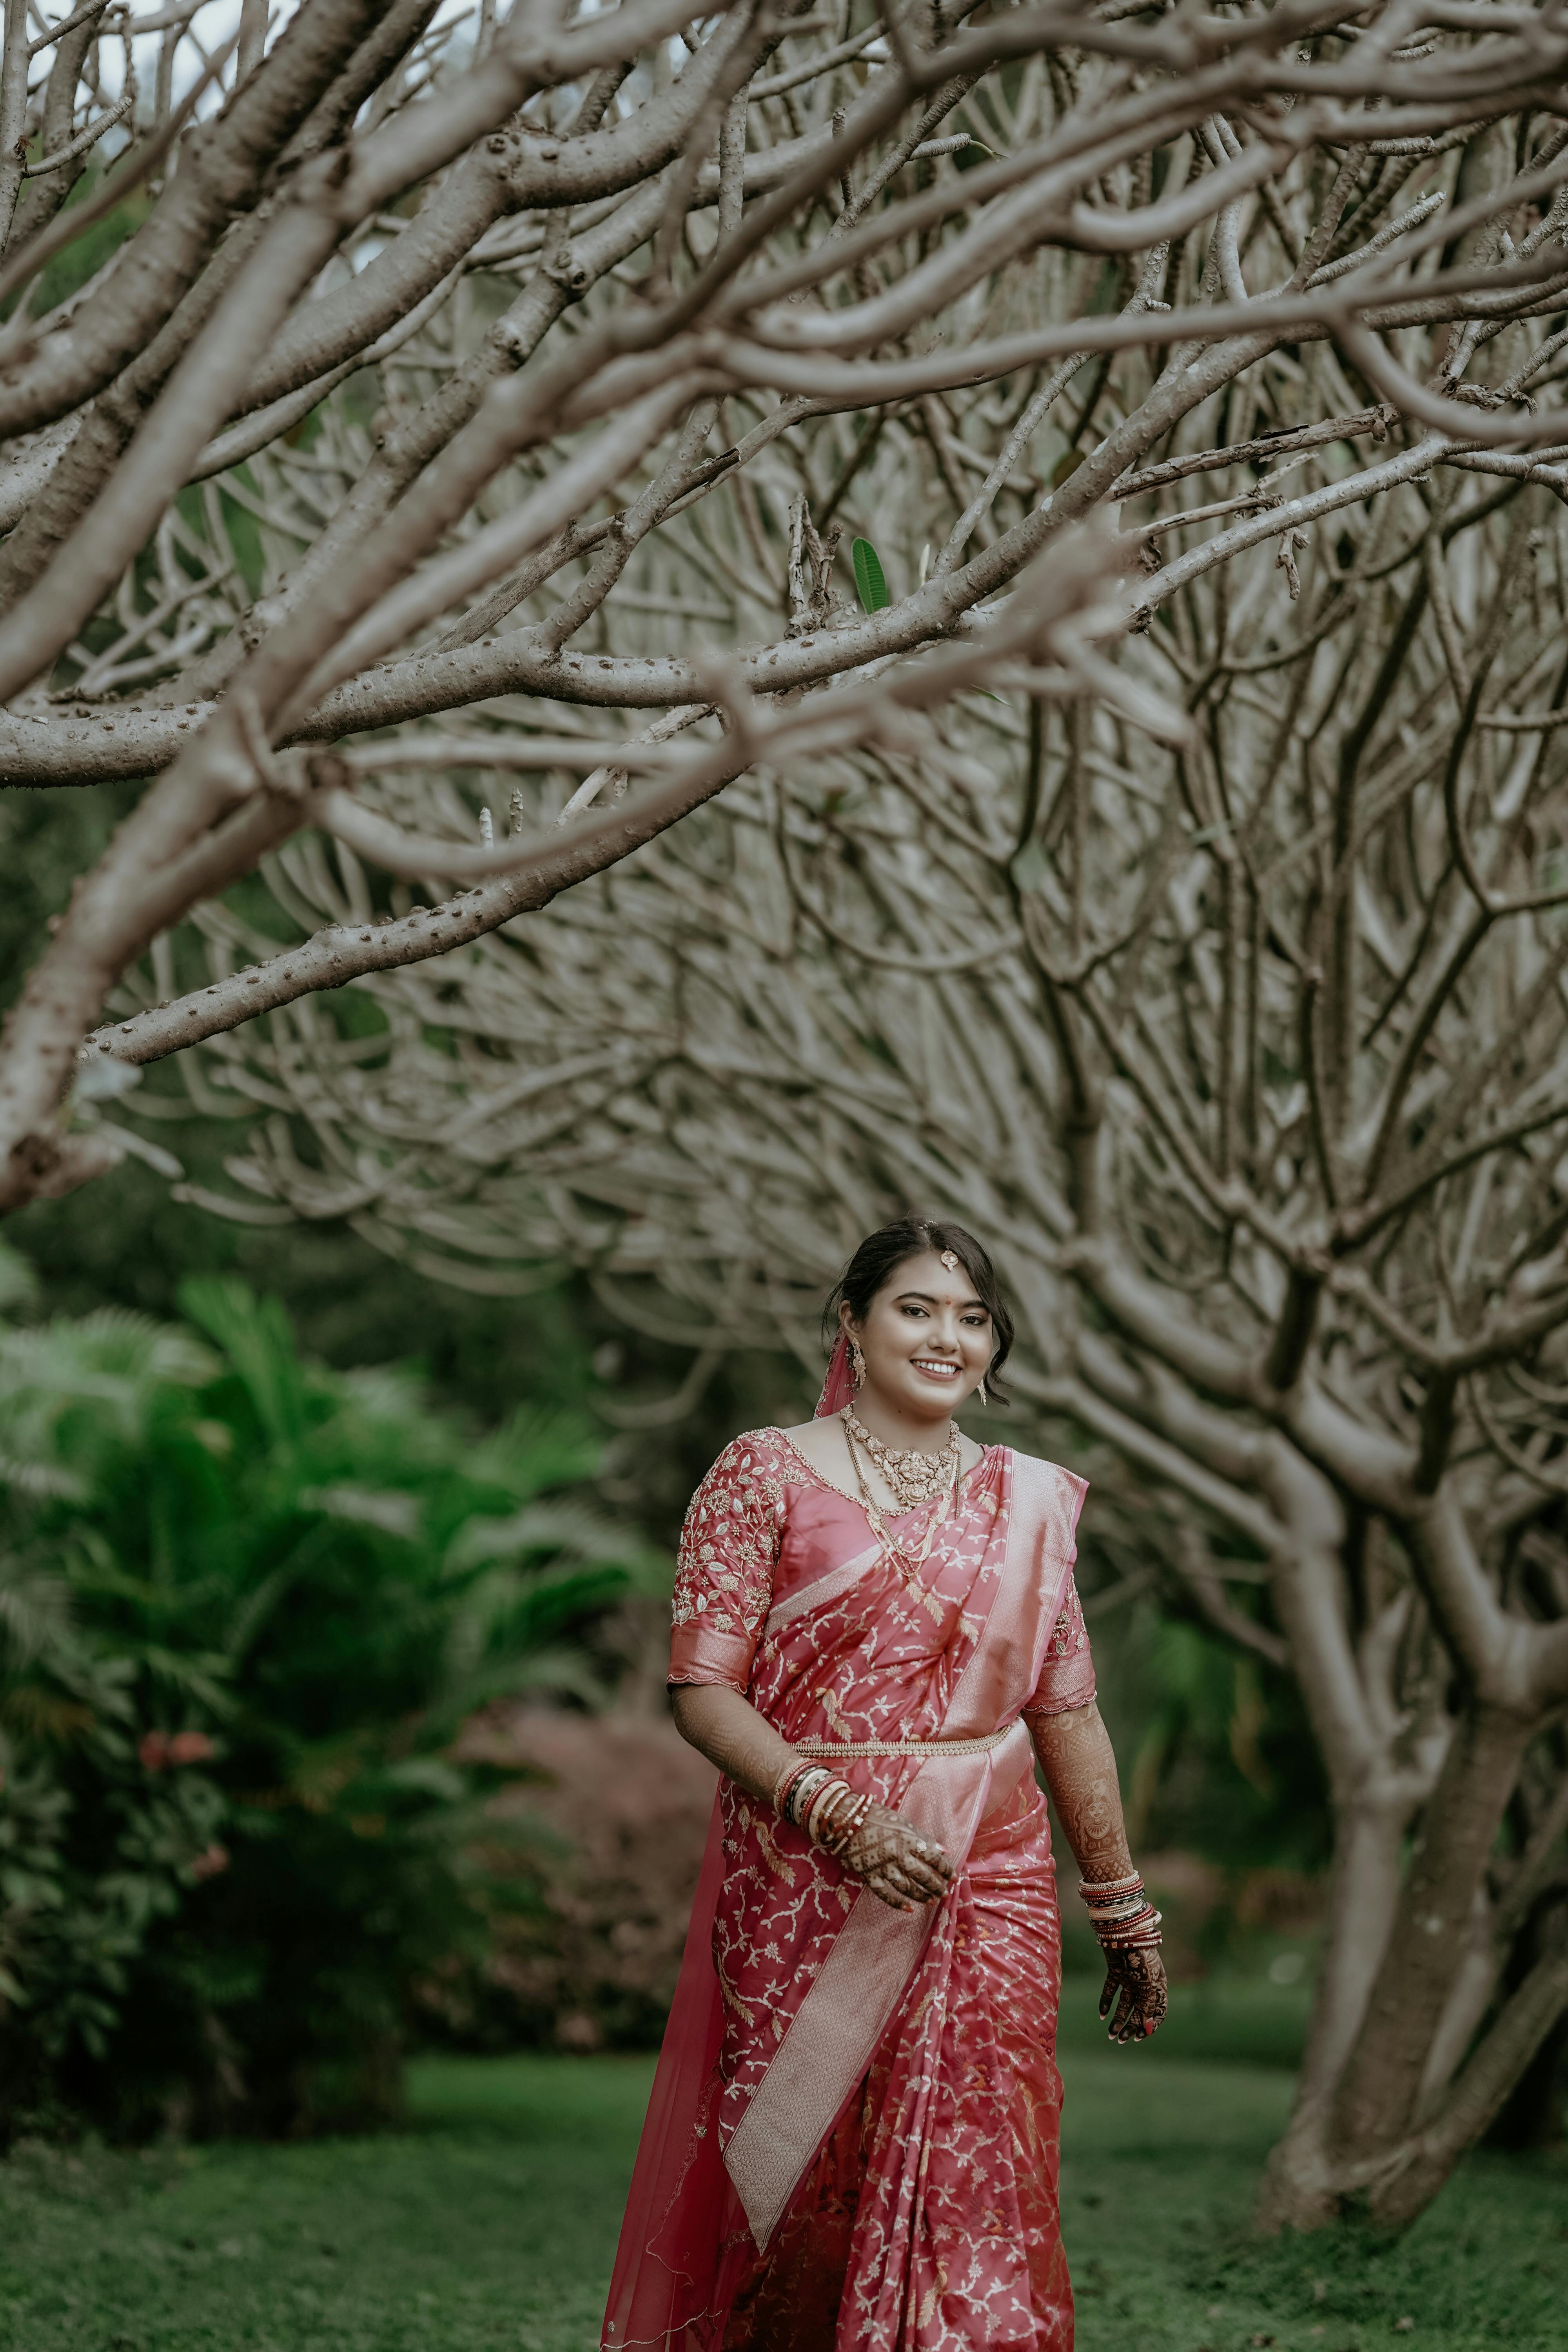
[
  {"x": 902, "y": 1868},
  {"x": 1139, "y": 1976}
]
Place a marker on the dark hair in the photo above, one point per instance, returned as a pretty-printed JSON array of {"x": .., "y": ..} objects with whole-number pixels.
[{"x": 881, "y": 1253}]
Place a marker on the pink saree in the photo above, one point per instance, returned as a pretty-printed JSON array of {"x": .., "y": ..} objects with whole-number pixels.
[{"x": 852, "y": 2144}]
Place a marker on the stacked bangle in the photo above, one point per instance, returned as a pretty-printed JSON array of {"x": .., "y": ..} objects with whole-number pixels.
[
  {"x": 801, "y": 1783},
  {"x": 1120, "y": 1913},
  {"x": 832, "y": 1814},
  {"x": 814, "y": 1799}
]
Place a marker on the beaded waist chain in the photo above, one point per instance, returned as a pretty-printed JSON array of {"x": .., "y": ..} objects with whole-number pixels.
[{"x": 846, "y": 1750}]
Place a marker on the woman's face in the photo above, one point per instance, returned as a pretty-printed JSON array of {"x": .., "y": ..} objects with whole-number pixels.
[{"x": 927, "y": 1339}]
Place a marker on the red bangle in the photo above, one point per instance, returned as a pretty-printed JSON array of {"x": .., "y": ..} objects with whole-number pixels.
[
  {"x": 837, "y": 1833},
  {"x": 822, "y": 1806},
  {"x": 1142, "y": 1928},
  {"x": 782, "y": 1792},
  {"x": 1104, "y": 1890}
]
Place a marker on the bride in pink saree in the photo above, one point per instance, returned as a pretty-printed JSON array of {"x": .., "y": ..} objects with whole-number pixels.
[{"x": 853, "y": 2141}]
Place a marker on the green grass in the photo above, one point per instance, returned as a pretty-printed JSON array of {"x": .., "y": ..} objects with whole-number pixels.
[
  {"x": 491, "y": 2221},
  {"x": 1161, "y": 2161}
]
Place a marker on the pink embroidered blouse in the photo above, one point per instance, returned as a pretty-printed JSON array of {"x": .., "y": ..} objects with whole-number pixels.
[{"x": 762, "y": 1519}]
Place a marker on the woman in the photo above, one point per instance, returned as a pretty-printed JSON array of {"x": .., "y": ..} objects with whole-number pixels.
[{"x": 853, "y": 2141}]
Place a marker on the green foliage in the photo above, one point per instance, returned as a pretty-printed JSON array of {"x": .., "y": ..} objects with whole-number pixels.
[
  {"x": 1216, "y": 1758},
  {"x": 871, "y": 582},
  {"x": 91, "y": 247},
  {"x": 245, "y": 1603}
]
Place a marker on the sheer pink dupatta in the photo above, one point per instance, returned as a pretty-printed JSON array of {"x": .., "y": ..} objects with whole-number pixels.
[
  {"x": 682, "y": 2211},
  {"x": 839, "y": 1386},
  {"x": 666, "y": 2268}
]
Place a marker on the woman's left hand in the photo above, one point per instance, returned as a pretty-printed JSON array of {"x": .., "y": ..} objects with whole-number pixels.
[{"x": 1139, "y": 1977}]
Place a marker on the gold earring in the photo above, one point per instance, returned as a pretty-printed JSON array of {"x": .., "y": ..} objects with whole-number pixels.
[
  {"x": 857, "y": 1363},
  {"x": 984, "y": 1398}
]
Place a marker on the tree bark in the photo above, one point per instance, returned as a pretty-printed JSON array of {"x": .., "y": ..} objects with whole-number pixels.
[
  {"x": 1380, "y": 2087},
  {"x": 1300, "y": 2183}
]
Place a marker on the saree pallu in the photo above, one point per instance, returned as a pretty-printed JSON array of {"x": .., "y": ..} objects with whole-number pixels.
[{"x": 852, "y": 2142}]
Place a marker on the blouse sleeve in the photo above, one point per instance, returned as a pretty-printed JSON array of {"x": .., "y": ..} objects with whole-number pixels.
[
  {"x": 1066, "y": 1678},
  {"x": 724, "y": 1571}
]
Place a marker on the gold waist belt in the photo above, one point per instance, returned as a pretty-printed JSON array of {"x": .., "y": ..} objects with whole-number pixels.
[{"x": 848, "y": 1750}]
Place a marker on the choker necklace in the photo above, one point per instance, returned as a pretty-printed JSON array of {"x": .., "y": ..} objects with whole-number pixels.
[{"x": 913, "y": 1476}]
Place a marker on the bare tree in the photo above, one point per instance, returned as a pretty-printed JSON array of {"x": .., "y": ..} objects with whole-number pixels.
[
  {"x": 1251, "y": 1056},
  {"x": 1240, "y": 1020},
  {"x": 617, "y": 285}
]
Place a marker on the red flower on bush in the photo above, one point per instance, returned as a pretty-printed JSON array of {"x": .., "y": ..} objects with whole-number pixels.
[
  {"x": 208, "y": 1864},
  {"x": 158, "y": 1749}
]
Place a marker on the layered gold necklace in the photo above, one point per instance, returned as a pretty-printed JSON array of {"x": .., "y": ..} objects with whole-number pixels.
[
  {"x": 913, "y": 1476},
  {"x": 931, "y": 1490}
]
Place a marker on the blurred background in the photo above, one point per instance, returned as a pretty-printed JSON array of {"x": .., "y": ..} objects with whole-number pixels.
[
  {"x": 347, "y": 1843},
  {"x": 361, "y": 1582}
]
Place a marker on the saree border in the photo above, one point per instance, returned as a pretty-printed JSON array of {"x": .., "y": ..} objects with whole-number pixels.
[
  {"x": 874, "y": 1955},
  {"x": 831, "y": 1586}
]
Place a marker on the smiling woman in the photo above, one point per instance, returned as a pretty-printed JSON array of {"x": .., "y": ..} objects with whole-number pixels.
[{"x": 853, "y": 2136}]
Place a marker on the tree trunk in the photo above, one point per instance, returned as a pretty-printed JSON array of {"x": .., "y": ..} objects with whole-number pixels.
[
  {"x": 1299, "y": 2190},
  {"x": 1381, "y": 2084},
  {"x": 1533, "y": 2115}
]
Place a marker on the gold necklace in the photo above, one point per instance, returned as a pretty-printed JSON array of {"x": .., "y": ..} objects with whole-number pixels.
[
  {"x": 914, "y": 1477},
  {"x": 909, "y": 1567}
]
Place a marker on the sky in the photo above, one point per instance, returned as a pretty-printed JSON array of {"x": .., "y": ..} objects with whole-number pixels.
[{"x": 213, "y": 24}]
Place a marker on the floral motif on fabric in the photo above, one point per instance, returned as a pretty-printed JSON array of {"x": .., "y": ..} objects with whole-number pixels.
[
  {"x": 928, "y": 2221},
  {"x": 1066, "y": 1678},
  {"x": 878, "y": 1662},
  {"x": 724, "y": 1568}
]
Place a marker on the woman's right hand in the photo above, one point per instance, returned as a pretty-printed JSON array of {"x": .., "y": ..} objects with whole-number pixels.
[{"x": 902, "y": 1868}]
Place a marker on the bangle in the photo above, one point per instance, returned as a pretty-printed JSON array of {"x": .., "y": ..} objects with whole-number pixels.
[
  {"x": 829, "y": 1810},
  {"x": 818, "y": 1809},
  {"x": 841, "y": 1829},
  {"x": 800, "y": 1783},
  {"x": 1132, "y": 1935},
  {"x": 833, "y": 1815},
  {"x": 1098, "y": 1892}
]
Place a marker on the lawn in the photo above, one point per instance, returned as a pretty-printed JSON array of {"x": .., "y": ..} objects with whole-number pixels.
[{"x": 492, "y": 2220}]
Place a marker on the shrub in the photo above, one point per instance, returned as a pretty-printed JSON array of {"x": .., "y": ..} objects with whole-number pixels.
[{"x": 246, "y": 1604}]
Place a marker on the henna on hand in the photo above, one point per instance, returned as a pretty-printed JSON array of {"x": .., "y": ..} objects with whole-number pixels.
[
  {"x": 888, "y": 1855},
  {"x": 1081, "y": 1772},
  {"x": 1135, "y": 1981},
  {"x": 1080, "y": 1763}
]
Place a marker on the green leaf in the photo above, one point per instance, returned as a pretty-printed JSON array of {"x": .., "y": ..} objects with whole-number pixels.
[{"x": 870, "y": 581}]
